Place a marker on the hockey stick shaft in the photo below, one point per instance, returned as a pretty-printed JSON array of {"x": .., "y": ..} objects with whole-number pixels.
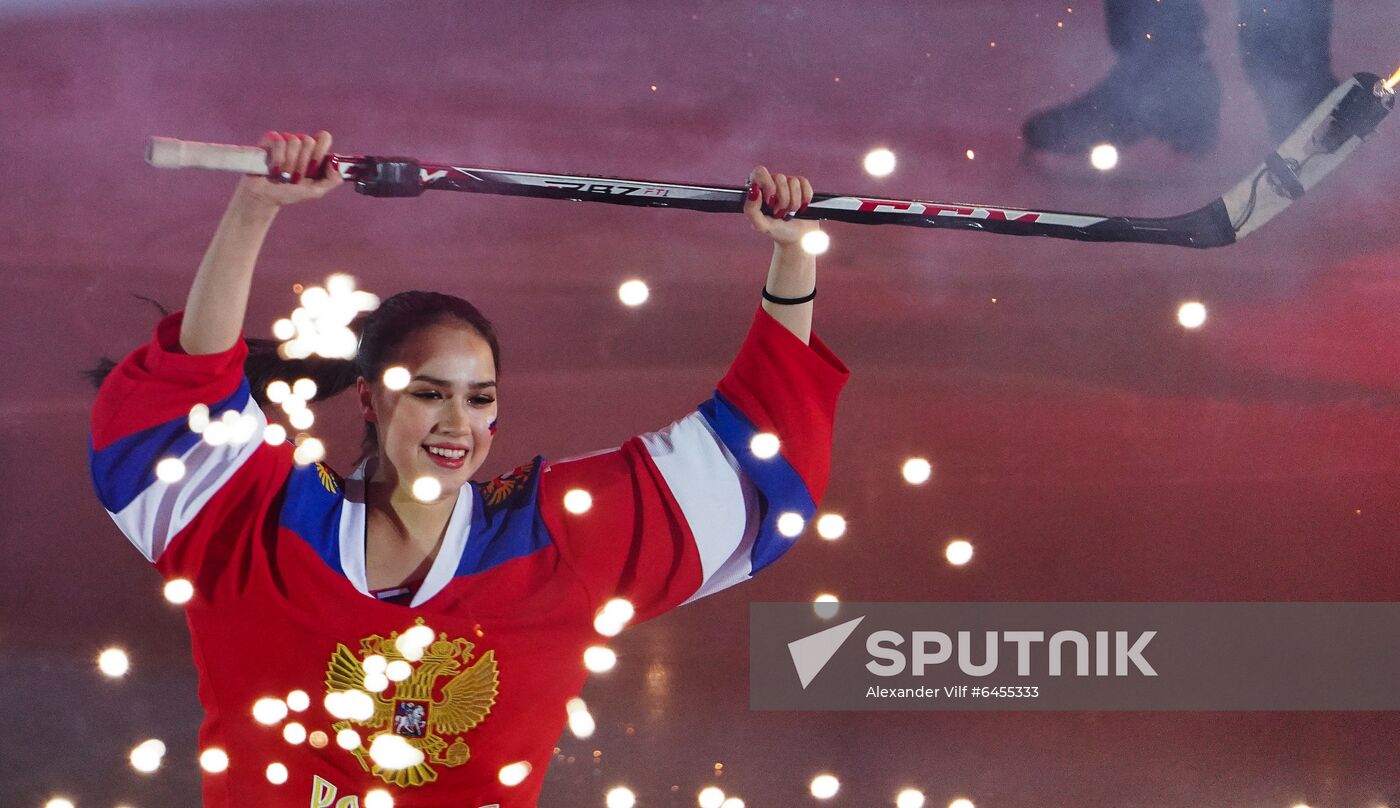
[{"x": 1319, "y": 144}]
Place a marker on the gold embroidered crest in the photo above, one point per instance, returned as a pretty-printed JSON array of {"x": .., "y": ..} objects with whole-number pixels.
[
  {"x": 328, "y": 478},
  {"x": 504, "y": 487},
  {"x": 426, "y": 712}
]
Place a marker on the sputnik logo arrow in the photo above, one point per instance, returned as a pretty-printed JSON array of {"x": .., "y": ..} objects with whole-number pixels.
[{"x": 811, "y": 653}]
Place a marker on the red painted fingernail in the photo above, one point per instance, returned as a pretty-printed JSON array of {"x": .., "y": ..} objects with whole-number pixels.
[
  {"x": 777, "y": 214},
  {"x": 753, "y": 191},
  {"x": 296, "y": 177},
  {"x": 772, "y": 200},
  {"x": 274, "y": 170},
  {"x": 804, "y": 207}
]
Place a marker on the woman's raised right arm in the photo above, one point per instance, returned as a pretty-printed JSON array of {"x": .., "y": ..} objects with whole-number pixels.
[{"x": 218, "y": 299}]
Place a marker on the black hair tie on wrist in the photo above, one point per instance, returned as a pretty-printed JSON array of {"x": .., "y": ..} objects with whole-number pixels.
[{"x": 788, "y": 301}]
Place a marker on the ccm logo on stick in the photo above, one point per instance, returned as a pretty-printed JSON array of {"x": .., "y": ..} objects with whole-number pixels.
[{"x": 965, "y": 211}]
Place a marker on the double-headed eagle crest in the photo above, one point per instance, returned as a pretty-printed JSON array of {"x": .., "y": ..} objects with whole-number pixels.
[{"x": 419, "y": 709}]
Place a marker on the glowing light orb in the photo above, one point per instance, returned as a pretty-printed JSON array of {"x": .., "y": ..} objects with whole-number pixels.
[
  {"x": 515, "y": 773},
  {"x": 113, "y": 662},
  {"x": 294, "y": 733},
  {"x": 391, "y": 751},
  {"x": 146, "y": 756},
  {"x": 1191, "y": 314},
  {"x": 379, "y": 798},
  {"x": 599, "y": 659},
  {"x": 59, "y": 802},
  {"x": 917, "y": 471},
  {"x": 426, "y": 489},
  {"x": 578, "y": 501},
  {"x": 831, "y": 526},
  {"x": 284, "y": 329},
  {"x": 309, "y": 451},
  {"x": 815, "y": 242},
  {"x": 732, "y": 802},
  {"x": 419, "y": 635},
  {"x": 318, "y": 739},
  {"x": 213, "y": 760},
  {"x": 269, "y": 711},
  {"x": 304, "y": 388},
  {"x": 298, "y": 700},
  {"x": 621, "y": 797},
  {"x": 315, "y": 298},
  {"x": 765, "y": 445},
  {"x": 396, "y": 377},
  {"x": 791, "y": 524},
  {"x": 337, "y": 705},
  {"x": 633, "y": 293},
  {"x": 825, "y": 786},
  {"x": 170, "y": 470},
  {"x": 199, "y": 418},
  {"x": 879, "y": 162},
  {"x": 217, "y": 433},
  {"x": 243, "y": 429},
  {"x": 374, "y": 663},
  {"x": 278, "y": 391},
  {"x": 347, "y": 739},
  {"x": 909, "y": 798},
  {"x": 179, "y": 591},
  {"x": 376, "y": 682},
  {"x": 292, "y": 404},
  {"x": 963, "y": 802},
  {"x": 275, "y": 434},
  {"x": 613, "y": 617},
  {"x": 710, "y": 797},
  {"x": 398, "y": 671},
  {"x": 970, "y": 154},
  {"x": 276, "y": 774},
  {"x": 302, "y": 419},
  {"x": 826, "y": 606},
  {"x": 581, "y": 722},
  {"x": 360, "y": 705},
  {"x": 958, "y": 552},
  {"x": 1104, "y": 157}
]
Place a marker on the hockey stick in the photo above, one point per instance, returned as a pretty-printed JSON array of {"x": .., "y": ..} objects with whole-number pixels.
[{"x": 1326, "y": 137}]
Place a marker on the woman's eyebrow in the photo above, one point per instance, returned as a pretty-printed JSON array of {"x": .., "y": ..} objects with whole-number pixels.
[{"x": 444, "y": 383}]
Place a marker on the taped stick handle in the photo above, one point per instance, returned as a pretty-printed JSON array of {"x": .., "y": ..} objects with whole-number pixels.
[{"x": 168, "y": 152}]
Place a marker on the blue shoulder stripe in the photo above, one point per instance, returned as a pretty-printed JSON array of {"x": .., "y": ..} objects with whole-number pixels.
[
  {"x": 779, "y": 485},
  {"x": 122, "y": 470},
  {"x": 315, "y": 496},
  {"x": 506, "y": 521}
]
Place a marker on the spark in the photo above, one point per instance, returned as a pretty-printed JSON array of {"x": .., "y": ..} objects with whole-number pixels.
[
  {"x": 909, "y": 798},
  {"x": 790, "y": 524},
  {"x": 577, "y": 501},
  {"x": 613, "y": 617},
  {"x": 831, "y": 526},
  {"x": 515, "y": 773},
  {"x": 599, "y": 659},
  {"x": 816, "y": 242},
  {"x": 179, "y": 591},
  {"x": 958, "y": 552},
  {"x": 764, "y": 445},
  {"x": 1391, "y": 82},
  {"x": 213, "y": 760},
  {"x": 1191, "y": 314},
  {"x": 633, "y": 292},
  {"x": 879, "y": 162},
  {"x": 1104, "y": 157},
  {"x": 917, "y": 470},
  {"x": 113, "y": 662},
  {"x": 276, "y": 773},
  {"x": 825, "y": 786}
]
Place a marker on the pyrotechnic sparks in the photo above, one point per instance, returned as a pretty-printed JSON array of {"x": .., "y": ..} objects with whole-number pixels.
[
  {"x": 581, "y": 722},
  {"x": 909, "y": 798},
  {"x": 710, "y": 797},
  {"x": 621, "y": 797},
  {"x": 826, "y": 606},
  {"x": 599, "y": 659},
  {"x": 825, "y": 786},
  {"x": 1394, "y": 80},
  {"x": 578, "y": 501},
  {"x": 213, "y": 760},
  {"x": 515, "y": 773},
  {"x": 917, "y": 471},
  {"x": 179, "y": 591},
  {"x": 146, "y": 757},
  {"x": 816, "y": 242},
  {"x": 1191, "y": 314},
  {"x": 113, "y": 662},
  {"x": 958, "y": 552},
  {"x": 791, "y": 524},
  {"x": 831, "y": 526},
  {"x": 276, "y": 773},
  {"x": 633, "y": 293},
  {"x": 613, "y": 617},
  {"x": 764, "y": 445},
  {"x": 879, "y": 163},
  {"x": 1104, "y": 157},
  {"x": 321, "y": 324}
]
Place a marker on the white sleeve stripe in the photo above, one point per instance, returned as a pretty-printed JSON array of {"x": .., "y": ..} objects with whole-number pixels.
[
  {"x": 162, "y": 510},
  {"x": 717, "y": 500}
]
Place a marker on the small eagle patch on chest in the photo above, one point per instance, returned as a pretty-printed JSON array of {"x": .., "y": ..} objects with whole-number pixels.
[{"x": 508, "y": 489}]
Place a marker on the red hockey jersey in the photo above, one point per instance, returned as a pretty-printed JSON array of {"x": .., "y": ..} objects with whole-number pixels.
[{"x": 276, "y": 555}]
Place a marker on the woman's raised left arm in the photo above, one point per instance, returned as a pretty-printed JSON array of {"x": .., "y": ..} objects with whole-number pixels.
[{"x": 792, "y": 274}]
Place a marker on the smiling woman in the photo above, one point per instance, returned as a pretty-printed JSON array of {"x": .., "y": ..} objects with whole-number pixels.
[{"x": 445, "y": 622}]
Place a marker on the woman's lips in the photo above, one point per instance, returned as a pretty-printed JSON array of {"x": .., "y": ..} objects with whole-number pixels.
[{"x": 445, "y": 462}]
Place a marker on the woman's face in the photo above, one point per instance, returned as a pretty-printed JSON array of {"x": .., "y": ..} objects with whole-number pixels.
[{"x": 450, "y": 401}]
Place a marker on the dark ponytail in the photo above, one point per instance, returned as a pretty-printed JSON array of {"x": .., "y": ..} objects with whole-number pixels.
[{"x": 380, "y": 333}]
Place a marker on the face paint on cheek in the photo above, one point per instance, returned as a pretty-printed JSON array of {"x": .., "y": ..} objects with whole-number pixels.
[{"x": 491, "y": 427}]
